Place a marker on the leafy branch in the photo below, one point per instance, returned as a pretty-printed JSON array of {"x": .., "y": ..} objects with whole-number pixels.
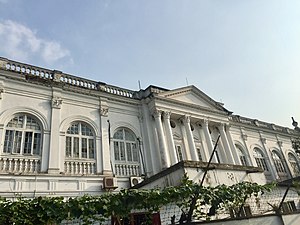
[{"x": 89, "y": 209}]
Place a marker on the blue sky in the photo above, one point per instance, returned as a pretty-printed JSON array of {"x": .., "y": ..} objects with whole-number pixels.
[{"x": 243, "y": 53}]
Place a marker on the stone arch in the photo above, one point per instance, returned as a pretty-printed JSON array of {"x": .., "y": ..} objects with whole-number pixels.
[
  {"x": 7, "y": 115},
  {"x": 66, "y": 123},
  {"x": 114, "y": 127}
]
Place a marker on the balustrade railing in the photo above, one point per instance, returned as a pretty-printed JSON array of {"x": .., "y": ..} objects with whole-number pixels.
[
  {"x": 78, "y": 167},
  {"x": 116, "y": 90},
  {"x": 127, "y": 169},
  {"x": 19, "y": 165},
  {"x": 58, "y": 76},
  {"x": 258, "y": 123}
]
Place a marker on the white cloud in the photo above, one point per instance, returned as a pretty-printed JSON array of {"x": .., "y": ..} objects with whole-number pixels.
[{"x": 21, "y": 43}]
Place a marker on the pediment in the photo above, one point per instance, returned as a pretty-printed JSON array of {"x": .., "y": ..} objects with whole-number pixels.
[{"x": 192, "y": 95}]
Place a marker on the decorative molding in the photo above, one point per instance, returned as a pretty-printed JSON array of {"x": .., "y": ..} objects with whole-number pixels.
[
  {"x": 205, "y": 123},
  {"x": 279, "y": 143},
  {"x": 56, "y": 102},
  {"x": 167, "y": 115},
  {"x": 230, "y": 176},
  {"x": 263, "y": 140},
  {"x": 57, "y": 75},
  {"x": 186, "y": 119},
  {"x": 156, "y": 113},
  {"x": 103, "y": 107},
  {"x": 104, "y": 111},
  {"x": 244, "y": 137},
  {"x": 3, "y": 62}
]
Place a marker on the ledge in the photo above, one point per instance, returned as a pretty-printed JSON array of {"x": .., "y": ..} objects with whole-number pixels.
[{"x": 199, "y": 165}]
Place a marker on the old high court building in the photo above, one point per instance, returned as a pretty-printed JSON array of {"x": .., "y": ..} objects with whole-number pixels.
[{"x": 66, "y": 135}]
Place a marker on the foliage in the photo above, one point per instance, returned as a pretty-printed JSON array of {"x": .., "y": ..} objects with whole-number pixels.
[{"x": 53, "y": 210}]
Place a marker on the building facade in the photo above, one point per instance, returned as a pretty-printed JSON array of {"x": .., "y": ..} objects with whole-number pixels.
[{"x": 68, "y": 136}]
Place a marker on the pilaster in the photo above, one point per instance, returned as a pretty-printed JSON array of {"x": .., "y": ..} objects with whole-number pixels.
[
  {"x": 54, "y": 148},
  {"x": 105, "y": 140}
]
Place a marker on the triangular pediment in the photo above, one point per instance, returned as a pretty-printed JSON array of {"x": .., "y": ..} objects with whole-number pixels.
[{"x": 192, "y": 95}]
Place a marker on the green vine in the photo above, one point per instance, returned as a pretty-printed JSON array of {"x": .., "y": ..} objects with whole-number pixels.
[{"x": 88, "y": 209}]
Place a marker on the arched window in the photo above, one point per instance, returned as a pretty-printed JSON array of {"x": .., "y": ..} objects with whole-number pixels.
[
  {"x": 278, "y": 162},
  {"x": 260, "y": 159},
  {"x": 242, "y": 155},
  {"x": 23, "y": 135},
  {"x": 80, "y": 141},
  {"x": 125, "y": 146},
  {"x": 126, "y": 153},
  {"x": 294, "y": 164}
]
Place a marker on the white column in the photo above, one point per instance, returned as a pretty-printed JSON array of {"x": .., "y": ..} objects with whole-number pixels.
[
  {"x": 204, "y": 146},
  {"x": 105, "y": 142},
  {"x": 161, "y": 140},
  {"x": 185, "y": 145},
  {"x": 170, "y": 140},
  {"x": 227, "y": 150},
  {"x": 190, "y": 138},
  {"x": 208, "y": 140},
  {"x": 235, "y": 155},
  {"x": 54, "y": 155},
  {"x": 151, "y": 151}
]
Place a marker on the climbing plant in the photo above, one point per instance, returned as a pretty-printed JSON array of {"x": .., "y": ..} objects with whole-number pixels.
[{"x": 88, "y": 209}]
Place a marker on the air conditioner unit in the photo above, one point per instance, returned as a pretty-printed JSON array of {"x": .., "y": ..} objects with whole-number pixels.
[
  {"x": 135, "y": 180},
  {"x": 110, "y": 183}
]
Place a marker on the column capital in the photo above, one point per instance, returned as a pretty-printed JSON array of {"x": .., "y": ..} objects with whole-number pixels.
[
  {"x": 156, "y": 113},
  {"x": 56, "y": 102},
  {"x": 103, "y": 107},
  {"x": 222, "y": 126},
  {"x": 205, "y": 122},
  {"x": 104, "y": 111},
  {"x": 167, "y": 114},
  {"x": 186, "y": 119}
]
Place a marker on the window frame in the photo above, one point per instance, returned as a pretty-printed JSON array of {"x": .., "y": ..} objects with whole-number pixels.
[
  {"x": 294, "y": 163},
  {"x": 278, "y": 162},
  {"x": 242, "y": 155},
  {"x": 23, "y": 135},
  {"x": 126, "y": 151},
  {"x": 260, "y": 159},
  {"x": 76, "y": 134}
]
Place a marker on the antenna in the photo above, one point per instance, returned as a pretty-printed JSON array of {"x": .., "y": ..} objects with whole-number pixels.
[
  {"x": 187, "y": 82},
  {"x": 139, "y": 82}
]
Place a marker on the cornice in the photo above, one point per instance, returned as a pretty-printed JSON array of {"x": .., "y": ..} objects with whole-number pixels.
[
  {"x": 257, "y": 125},
  {"x": 189, "y": 105}
]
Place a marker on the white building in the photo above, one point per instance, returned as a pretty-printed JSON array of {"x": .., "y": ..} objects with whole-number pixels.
[{"x": 65, "y": 135}]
